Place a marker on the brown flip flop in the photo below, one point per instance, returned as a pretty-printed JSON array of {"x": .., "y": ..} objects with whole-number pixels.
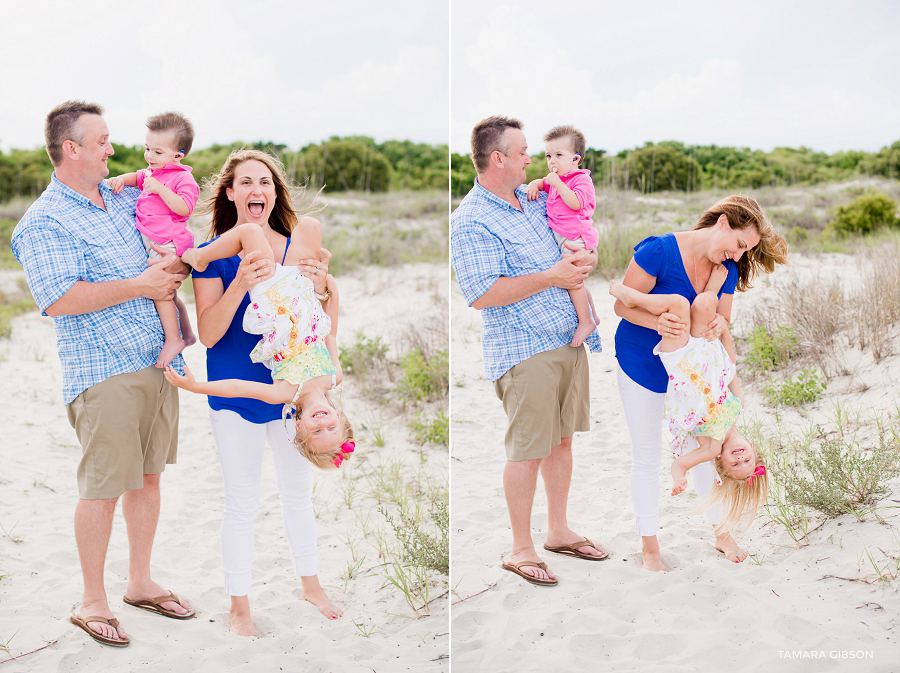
[
  {"x": 153, "y": 605},
  {"x": 572, "y": 550},
  {"x": 82, "y": 623},
  {"x": 514, "y": 568}
]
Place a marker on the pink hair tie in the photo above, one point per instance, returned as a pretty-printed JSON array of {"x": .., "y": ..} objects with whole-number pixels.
[
  {"x": 346, "y": 447},
  {"x": 758, "y": 472}
]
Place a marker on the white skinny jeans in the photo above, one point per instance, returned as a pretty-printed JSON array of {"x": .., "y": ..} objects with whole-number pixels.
[
  {"x": 644, "y": 416},
  {"x": 240, "y": 445}
]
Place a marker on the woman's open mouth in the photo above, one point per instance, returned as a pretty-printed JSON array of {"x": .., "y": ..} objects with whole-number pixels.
[{"x": 256, "y": 208}]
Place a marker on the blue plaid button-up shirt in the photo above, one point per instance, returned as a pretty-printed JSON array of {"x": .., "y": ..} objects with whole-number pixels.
[
  {"x": 489, "y": 239},
  {"x": 65, "y": 238}
]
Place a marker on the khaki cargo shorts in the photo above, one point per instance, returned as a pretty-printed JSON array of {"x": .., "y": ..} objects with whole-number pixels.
[
  {"x": 546, "y": 398},
  {"x": 128, "y": 427}
]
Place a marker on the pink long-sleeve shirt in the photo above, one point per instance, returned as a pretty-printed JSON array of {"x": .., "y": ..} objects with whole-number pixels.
[
  {"x": 153, "y": 217},
  {"x": 573, "y": 223}
]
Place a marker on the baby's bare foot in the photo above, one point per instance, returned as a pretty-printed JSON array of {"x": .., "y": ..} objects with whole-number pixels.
[
  {"x": 581, "y": 333},
  {"x": 623, "y": 293},
  {"x": 717, "y": 278},
  {"x": 170, "y": 349}
]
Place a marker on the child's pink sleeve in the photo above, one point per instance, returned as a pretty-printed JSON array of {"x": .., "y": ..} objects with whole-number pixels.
[
  {"x": 139, "y": 178},
  {"x": 189, "y": 190},
  {"x": 583, "y": 187}
]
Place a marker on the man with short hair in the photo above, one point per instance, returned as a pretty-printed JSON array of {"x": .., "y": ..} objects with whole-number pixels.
[
  {"x": 508, "y": 266},
  {"x": 86, "y": 267}
]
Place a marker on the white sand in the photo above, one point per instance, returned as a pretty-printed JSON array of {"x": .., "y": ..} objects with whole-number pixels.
[
  {"x": 775, "y": 612},
  {"x": 42, "y": 581}
]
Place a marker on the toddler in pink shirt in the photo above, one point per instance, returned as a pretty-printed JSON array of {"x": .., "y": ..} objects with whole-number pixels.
[
  {"x": 168, "y": 196},
  {"x": 570, "y": 205}
]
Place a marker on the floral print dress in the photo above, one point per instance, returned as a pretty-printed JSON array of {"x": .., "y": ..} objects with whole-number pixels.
[
  {"x": 698, "y": 402},
  {"x": 285, "y": 311}
]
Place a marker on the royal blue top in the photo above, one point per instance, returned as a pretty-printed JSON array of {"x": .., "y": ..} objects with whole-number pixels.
[
  {"x": 229, "y": 358},
  {"x": 659, "y": 256}
]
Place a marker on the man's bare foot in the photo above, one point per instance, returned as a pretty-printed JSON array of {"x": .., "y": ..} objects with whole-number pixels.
[
  {"x": 652, "y": 557},
  {"x": 241, "y": 624},
  {"x": 726, "y": 544},
  {"x": 623, "y": 293},
  {"x": 149, "y": 590},
  {"x": 100, "y": 609},
  {"x": 716, "y": 279},
  {"x": 679, "y": 478},
  {"x": 582, "y": 332},
  {"x": 192, "y": 258},
  {"x": 318, "y": 598},
  {"x": 569, "y": 537},
  {"x": 170, "y": 349},
  {"x": 532, "y": 571}
]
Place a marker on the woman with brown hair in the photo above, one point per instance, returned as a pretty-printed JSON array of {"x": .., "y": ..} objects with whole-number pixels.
[
  {"x": 735, "y": 233},
  {"x": 251, "y": 188}
]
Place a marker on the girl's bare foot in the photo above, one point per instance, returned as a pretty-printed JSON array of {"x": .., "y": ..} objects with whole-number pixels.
[
  {"x": 317, "y": 597},
  {"x": 582, "y": 332},
  {"x": 192, "y": 258},
  {"x": 623, "y": 293},
  {"x": 716, "y": 279},
  {"x": 726, "y": 544}
]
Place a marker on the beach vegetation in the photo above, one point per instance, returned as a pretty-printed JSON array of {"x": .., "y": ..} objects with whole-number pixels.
[
  {"x": 769, "y": 351},
  {"x": 866, "y": 214},
  {"x": 806, "y": 387},
  {"x": 434, "y": 430},
  {"x": 424, "y": 378}
]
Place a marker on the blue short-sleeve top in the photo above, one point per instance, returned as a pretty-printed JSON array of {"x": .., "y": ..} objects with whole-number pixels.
[
  {"x": 229, "y": 358},
  {"x": 660, "y": 257}
]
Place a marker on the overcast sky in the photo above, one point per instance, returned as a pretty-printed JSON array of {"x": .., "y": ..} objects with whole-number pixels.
[
  {"x": 762, "y": 74},
  {"x": 286, "y": 71}
]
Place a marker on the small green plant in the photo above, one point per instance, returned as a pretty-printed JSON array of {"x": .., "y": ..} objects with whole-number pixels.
[
  {"x": 363, "y": 356},
  {"x": 364, "y": 631},
  {"x": 865, "y": 214},
  {"x": 839, "y": 477},
  {"x": 805, "y": 388},
  {"x": 418, "y": 547},
  {"x": 424, "y": 379},
  {"x": 770, "y": 351},
  {"x": 431, "y": 430},
  {"x": 10, "y": 310}
]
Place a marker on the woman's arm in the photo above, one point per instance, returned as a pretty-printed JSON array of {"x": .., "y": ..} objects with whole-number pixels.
[
  {"x": 216, "y": 305},
  {"x": 331, "y": 308},
  {"x": 666, "y": 324}
]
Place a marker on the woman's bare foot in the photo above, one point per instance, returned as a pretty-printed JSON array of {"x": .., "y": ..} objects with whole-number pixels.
[
  {"x": 652, "y": 557},
  {"x": 312, "y": 592},
  {"x": 582, "y": 332},
  {"x": 170, "y": 349},
  {"x": 240, "y": 622},
  {"x": 726, "y": 544},
  {"x": 192, "y": 258},
  {"x": 623, "y": 293},
  {"x": 716, "y": 279}
]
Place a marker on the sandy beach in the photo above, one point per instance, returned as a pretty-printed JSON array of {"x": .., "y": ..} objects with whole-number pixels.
[
  {"x": 815, "y": 607},
  {"x": 41, "y": 581}
]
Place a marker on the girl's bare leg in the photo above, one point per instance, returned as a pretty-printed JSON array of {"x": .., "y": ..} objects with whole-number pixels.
[
  {"x": 586, "y": 324},
  {"x": 174, "y": 344},
  {"x": 703, "y": 310},
  {"x": 306, "y": 241},
  {"x": 242, "y": 238},
  {"x": 657, "y": 304}
]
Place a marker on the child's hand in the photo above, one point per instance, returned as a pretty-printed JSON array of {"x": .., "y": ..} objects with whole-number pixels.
[
  {"x": 679, "y": 478},
  {"x": 115, "y": 184},
  {"x": 187, "y": 381},
  {"x": 552, "y": 178},
  {"x": 531, "y": 191},
  {"x": 152, "y": 185}
]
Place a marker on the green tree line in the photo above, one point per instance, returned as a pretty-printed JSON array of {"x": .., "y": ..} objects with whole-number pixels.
[
  {"x": 349, "y": 163},
  {"x": 671, "y": 165}
]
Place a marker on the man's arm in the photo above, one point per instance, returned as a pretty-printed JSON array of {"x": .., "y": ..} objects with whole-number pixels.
[
  {"x": 568, "y": 273},
  {"x": 156, "y": 282}
]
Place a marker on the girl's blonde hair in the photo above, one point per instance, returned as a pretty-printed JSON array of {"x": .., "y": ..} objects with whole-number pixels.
[
  {"x": 742, "y": 212},
  {"x": 740, "y": 498},
  {"x": 324, "y": 460},
  {"x": 284, "y": 215}
]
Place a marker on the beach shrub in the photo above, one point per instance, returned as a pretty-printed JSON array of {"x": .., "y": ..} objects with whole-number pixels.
[
  {"x": 865, "y": 214},
  {"x": 9, "y": 310},
  {"x": 839, "y": 477},
  {"x": 805, "y": 388},
  {"x": 419, "y": 547},
  {"x": 424, "y": 379},
  {"x": 435, "y": 430},
  {"x": 769, "y": 351}
]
